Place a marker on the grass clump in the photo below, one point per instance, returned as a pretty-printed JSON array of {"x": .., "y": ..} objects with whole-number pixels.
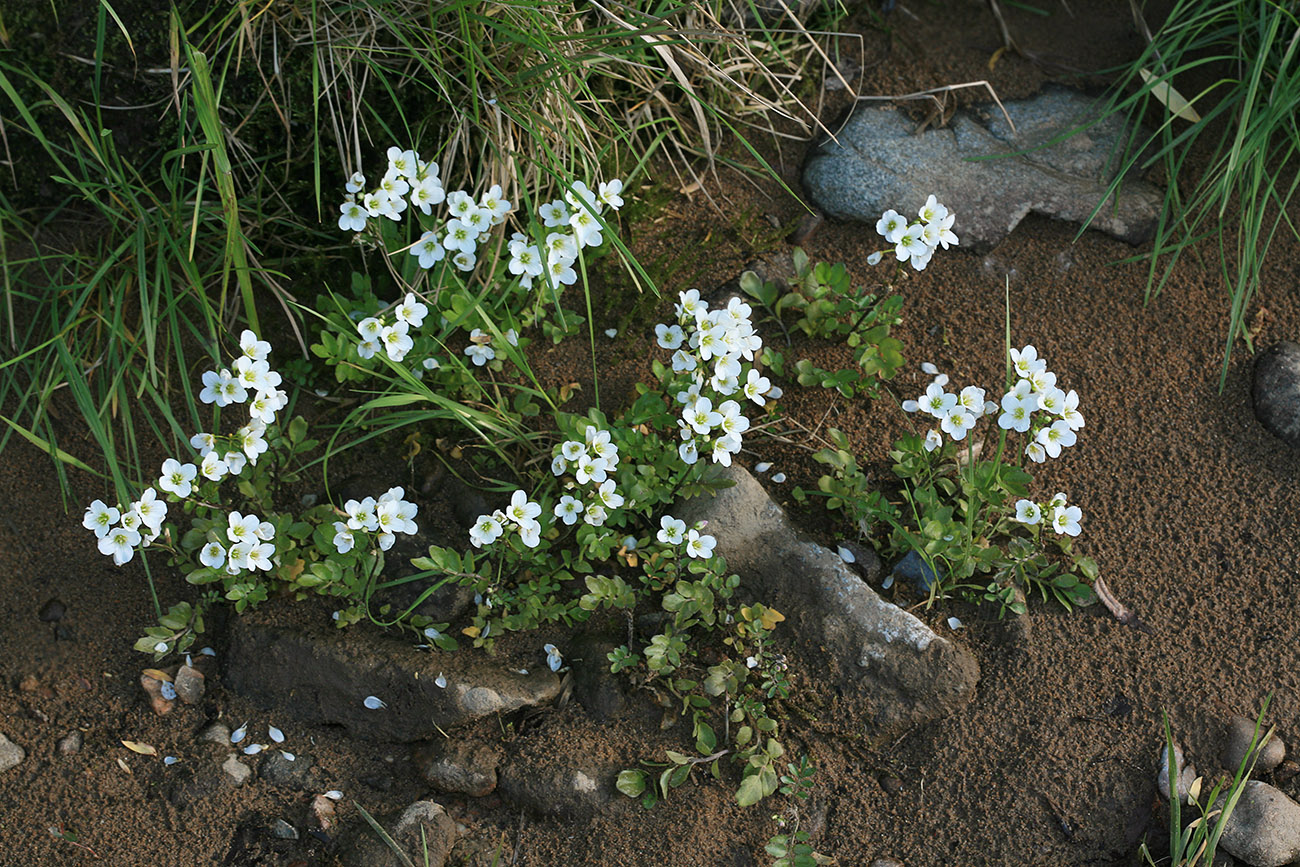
[{"x": 1246, "y": 115}]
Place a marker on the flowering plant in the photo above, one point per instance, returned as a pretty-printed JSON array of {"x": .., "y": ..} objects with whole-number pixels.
[
  {"x": 965, "y": 514},
  {"x": 239, "y": 542}
]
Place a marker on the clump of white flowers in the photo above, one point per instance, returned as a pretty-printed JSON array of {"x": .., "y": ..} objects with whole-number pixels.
[
  {"x": 591, "y": 461},
  {"x": 916, "y": 240},
  {"x": 386, "y": 517},
  {"x": 716, "y": 349},
  {"x": 238, "y": 543},
  {"x": 675, "y": 533},
  {"x": 575, "y": 221},
  {"x": 520, "y": 516},
  {"x": 1060, "y": 517}
]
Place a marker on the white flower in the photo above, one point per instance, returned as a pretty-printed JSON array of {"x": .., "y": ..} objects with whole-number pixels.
[
  {"x": 1042, "y": 380},
  {"x": 251, "y": 347},
  {"x": 699, "y": 546},
  {"x": 520, "y": 510},
  {"x": 259, "y": 556},
  {"x": 568, "y": 509},
  {"x": 972, "y": 398},
  {"x": 669, "y": 336},
  {"x": 688, "y": 452},
  {"x": 480, "y": 353},
  {"x": 152, "y": 511},
  {"x": 757, "y": 387},
  {"x": 1034, "y": 451},
  {"x": 1017, "y": 412},
  {"x": 411, "y": 311},
  {"x": 213, "y": 467},
  {"x": 1065, "y": 520},
  {"x": 932, "y": 211},
  {"x": 530, "y": 533},
  {"x": 595, "y": 515},
  {"x": 910, "y": 244},
  {"x": 352, "y": 217},
  {"x": 1026, "y": 361},
  {"x": 356, "y": 183},
  {"x": 204, "y": 442},
  {"x": 343, "y": 538},
  {"x": 429, "y": 250},
  {"x": 874, "y": 258},
  {"x": 361, "y": 514},
  {"x": 241, "y": 528},
  {"x": 1028, "y": 512},
  {"x": 554, "y": 213},
  {"x": 891, "y": 226},
  {"x": 956, "y": 423},
  {"x": 611, "y": 193},
  {"x": 100, "y": 517},
  {"x": 1055, "y": 437},
  {"x": 212, "y": 555},
  {"x": 396, "y": 340},
  {"x": 701, "y": 416},
  {"x": 485, "y": 531},
  {"x": 608, "y": 495},
  {"x": 732, "y": 423},
  {"x": 251, "y": 441},
  {"x": 370, "y": 328},
  {"x": 1070, "y": 411},
  {"x": 932, "y": 440},
  {"x": 572, "y": 450},
  {"x": 368, "y": 348},
  {"x": 671, "y": 531},
  {"x": 936, "y": 401},
  {"x": 946, "y": 237},
  {"x": 119, "y": 543},
  {"x": 590, "y": 469}
]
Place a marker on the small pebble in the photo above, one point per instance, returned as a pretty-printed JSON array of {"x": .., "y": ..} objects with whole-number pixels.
[
  {"x": 283, "y": 830},
  {"x": 70, "y": 744},
  {"x": 218, "y": 733},
  {"x": 11, "y": 755},
  {"x": 1241, "y": 731},
  {"x": 154, "y": 689},
  {"x": 237, "y": 770}
]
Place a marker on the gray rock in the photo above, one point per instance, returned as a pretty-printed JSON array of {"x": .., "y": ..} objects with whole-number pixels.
[
  {"x": 885, "y": 661},
  {"x": 423, "y": 820},
  {"x": 558, "y": 791},
  {"x": 461, "y": 767},
  {"x": 189, "y": 684},
  {"x": 301, "y": 773},
  {"x": 236, "y": 771},
  {"x": 71, "y": 743},
  {"x": 11, "y": 755},
  {"x": 912, "y": 569},
  {"x": 886, "y": 862},
  {"x": 876, "y": 163},
  {"x": 1264, "y": 829},
  {"x": 595, "y": 687},
  {"x": 282, "y": 830},
  {"x": 1241, "y": 731},
  {"x": 323, "y": 675},
  {"x": 1277, "y": 391}
]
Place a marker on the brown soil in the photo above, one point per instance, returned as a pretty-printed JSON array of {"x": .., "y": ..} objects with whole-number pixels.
[{"x": 1189, "y": 509}]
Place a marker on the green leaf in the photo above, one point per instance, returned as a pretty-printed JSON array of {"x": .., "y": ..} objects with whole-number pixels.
[
  {"x": 631, "y": 783},
  {"x": 750, "y": 791}
]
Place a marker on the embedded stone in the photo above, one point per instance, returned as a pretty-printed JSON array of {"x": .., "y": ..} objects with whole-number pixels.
[{"x": 1276, "y": 391}]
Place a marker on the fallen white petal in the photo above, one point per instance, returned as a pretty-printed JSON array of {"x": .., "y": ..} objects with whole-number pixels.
[
  {"x": 954, "y": 623},
  {"x": 611, "y": 333},
  {"x": 288, "y": 756},
  {"x": 887, "y": 583},
  {"x": 374, "y": 702},
  {"x": 334, "y": 795},
  {"x": 762, "y": 467},
  {"x": 845, "y": 554},
  {"x": 276, "y": 734},
  {"x": 238, "y": 734},
  {"x": 928, "y": 368},
  {"x": 253, "y": 749},
  {"x": 779, "y": 478},
  {"x": 170, "y": 760},
  {"x": 440, "y": 681}
]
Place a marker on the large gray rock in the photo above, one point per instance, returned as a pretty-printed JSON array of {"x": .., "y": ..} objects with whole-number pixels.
[
  {"x": 876, "y": 162},
  {"x": 888, "y": 663},
  {"x": 1264, "y": 829},
  {"x": 423, "y": 831},
  {"x": 1277, "y": 391},
  {"x": 324, "y": 675}
]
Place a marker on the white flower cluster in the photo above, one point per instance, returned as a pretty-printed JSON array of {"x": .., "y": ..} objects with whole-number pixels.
[
  {"x": 250, "y": 546},
  {"x": 915, "y": 241},
  {"x": 576, "y": 213},
  {"x": 520, "y": 515},
  {"x": 221, "y": 456},
  {"x": 389, "y": 515},
  {"x": 410, "y": 178},
  {"x": 1062, "y": 518},
  {"x": 1035, "y": 391},
  {"x": 673, "y": 531},
  {"x": 591, "y": 461},
  {"x": 393, "y": 336},
  {"x": 710, "y": 346}
]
